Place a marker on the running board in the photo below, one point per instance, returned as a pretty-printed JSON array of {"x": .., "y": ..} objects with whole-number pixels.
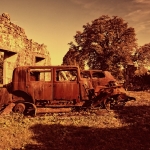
[{"x": 52, "y": 110}]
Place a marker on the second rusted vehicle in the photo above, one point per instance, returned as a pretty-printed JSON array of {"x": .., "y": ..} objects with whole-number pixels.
[
  {"x": 60, "y": 89},
  {"x": 109, "y": 93}
]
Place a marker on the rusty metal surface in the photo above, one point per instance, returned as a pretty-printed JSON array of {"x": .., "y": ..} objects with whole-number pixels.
[
  {"x": 5, "y": 97},
  {"x": 53, "y": 110},
  {"x": 8, "y": 109},
  {"x": 106, "y": 88},
  {"x": 66, "y": 87},
  {"x": 98, "y": 77},
  {"x": 66, "y": 91},
  {"x": 45, "y": 87}
]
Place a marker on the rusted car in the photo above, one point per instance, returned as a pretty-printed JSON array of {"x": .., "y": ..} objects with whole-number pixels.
[
  {"x": 99, "y": 77},
  {"x": 107, "y": 89},
  {"x": 56, "y": 89}
]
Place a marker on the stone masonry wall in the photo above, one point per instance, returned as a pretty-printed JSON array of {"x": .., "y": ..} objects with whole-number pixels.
[{"x": 17, "y": 50}]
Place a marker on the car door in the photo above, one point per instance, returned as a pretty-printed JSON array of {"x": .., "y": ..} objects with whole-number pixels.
[
  {"x": 66, "y": 85},
  {"x": 41, "y": 83}
]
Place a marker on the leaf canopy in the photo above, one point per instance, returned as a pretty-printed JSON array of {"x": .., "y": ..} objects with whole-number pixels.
[{"x": 106, "y": 44}]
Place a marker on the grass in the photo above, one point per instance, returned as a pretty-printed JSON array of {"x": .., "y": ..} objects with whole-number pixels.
[{"x": 126, "y": 129}]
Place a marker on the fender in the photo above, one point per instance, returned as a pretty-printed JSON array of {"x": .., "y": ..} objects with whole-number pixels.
[{"x": 19, "y": 95}]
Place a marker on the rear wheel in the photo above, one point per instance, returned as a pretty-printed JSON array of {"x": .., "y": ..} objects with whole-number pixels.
[
  {"x": 19, "y": 108},
  {"x": 32, "y": 110},
  {"x": 107, "y": 106}
]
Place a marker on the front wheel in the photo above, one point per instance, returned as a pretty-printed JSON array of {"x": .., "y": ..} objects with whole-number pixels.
[
  {"x": 108, "y": 104},
  {"x": 19, "y": 108}
]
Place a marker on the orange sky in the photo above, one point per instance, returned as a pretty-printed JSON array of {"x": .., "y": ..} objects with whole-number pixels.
[{"x": 55, "y": 22}]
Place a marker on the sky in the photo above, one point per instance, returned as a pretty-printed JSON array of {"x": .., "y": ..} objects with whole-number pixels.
[{"x": 55, "y": 22}]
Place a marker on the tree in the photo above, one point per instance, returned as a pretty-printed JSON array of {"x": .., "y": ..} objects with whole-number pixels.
[
  {"x": 142, "y": 55},
  {"x": 142, "y": 59},
  {"x": 106, "y": 44}
]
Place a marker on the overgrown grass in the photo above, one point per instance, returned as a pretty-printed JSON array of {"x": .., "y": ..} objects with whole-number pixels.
[{"x": 94, "y": 130}]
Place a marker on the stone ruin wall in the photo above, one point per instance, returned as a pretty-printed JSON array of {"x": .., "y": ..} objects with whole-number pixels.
[{"x": 17, "y": 50}]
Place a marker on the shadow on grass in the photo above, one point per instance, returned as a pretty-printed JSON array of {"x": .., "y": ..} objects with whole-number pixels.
[{"x": 134, "y": 136}]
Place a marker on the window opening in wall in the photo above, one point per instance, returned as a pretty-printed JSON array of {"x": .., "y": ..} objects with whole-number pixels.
[{"x": 38, "y": 59}]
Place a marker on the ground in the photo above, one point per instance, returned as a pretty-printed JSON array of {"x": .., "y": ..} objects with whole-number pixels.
[{"x": 127, "y": 129}]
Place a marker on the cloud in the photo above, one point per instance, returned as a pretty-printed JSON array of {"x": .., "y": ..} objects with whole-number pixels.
[
  {"x": 142, "y": 1},
  {"x": 87, "y": 4},
  {"x": 77, "y": 1},
  {"x": 140, "y": 27},
  {"x": 138, "y": 15},
  {"x": 139, "y": 19},
  {"x": 133, "y": 13}
]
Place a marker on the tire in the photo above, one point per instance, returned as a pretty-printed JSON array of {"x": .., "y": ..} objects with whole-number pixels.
[
  {"x": 108, "y": 106},
  {"x": 19, "y": 108}
]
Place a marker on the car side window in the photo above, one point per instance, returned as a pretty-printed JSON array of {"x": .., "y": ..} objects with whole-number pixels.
[
  {"x": 66, "y": 75},
  {"x": 98, "y": 75},
  {"x": 40, "y": 75}
]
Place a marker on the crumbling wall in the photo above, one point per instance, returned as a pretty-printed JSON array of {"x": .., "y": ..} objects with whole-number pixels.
[{"x": 17, "y": 50}]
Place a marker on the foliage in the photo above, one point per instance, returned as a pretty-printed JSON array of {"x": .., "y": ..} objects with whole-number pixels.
[
  {"x": 106, "y": 44},
  {"x": 142, "y": 56},
  {"x": 141, "y": 71},
  {"x": 139, "y": 74}
]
